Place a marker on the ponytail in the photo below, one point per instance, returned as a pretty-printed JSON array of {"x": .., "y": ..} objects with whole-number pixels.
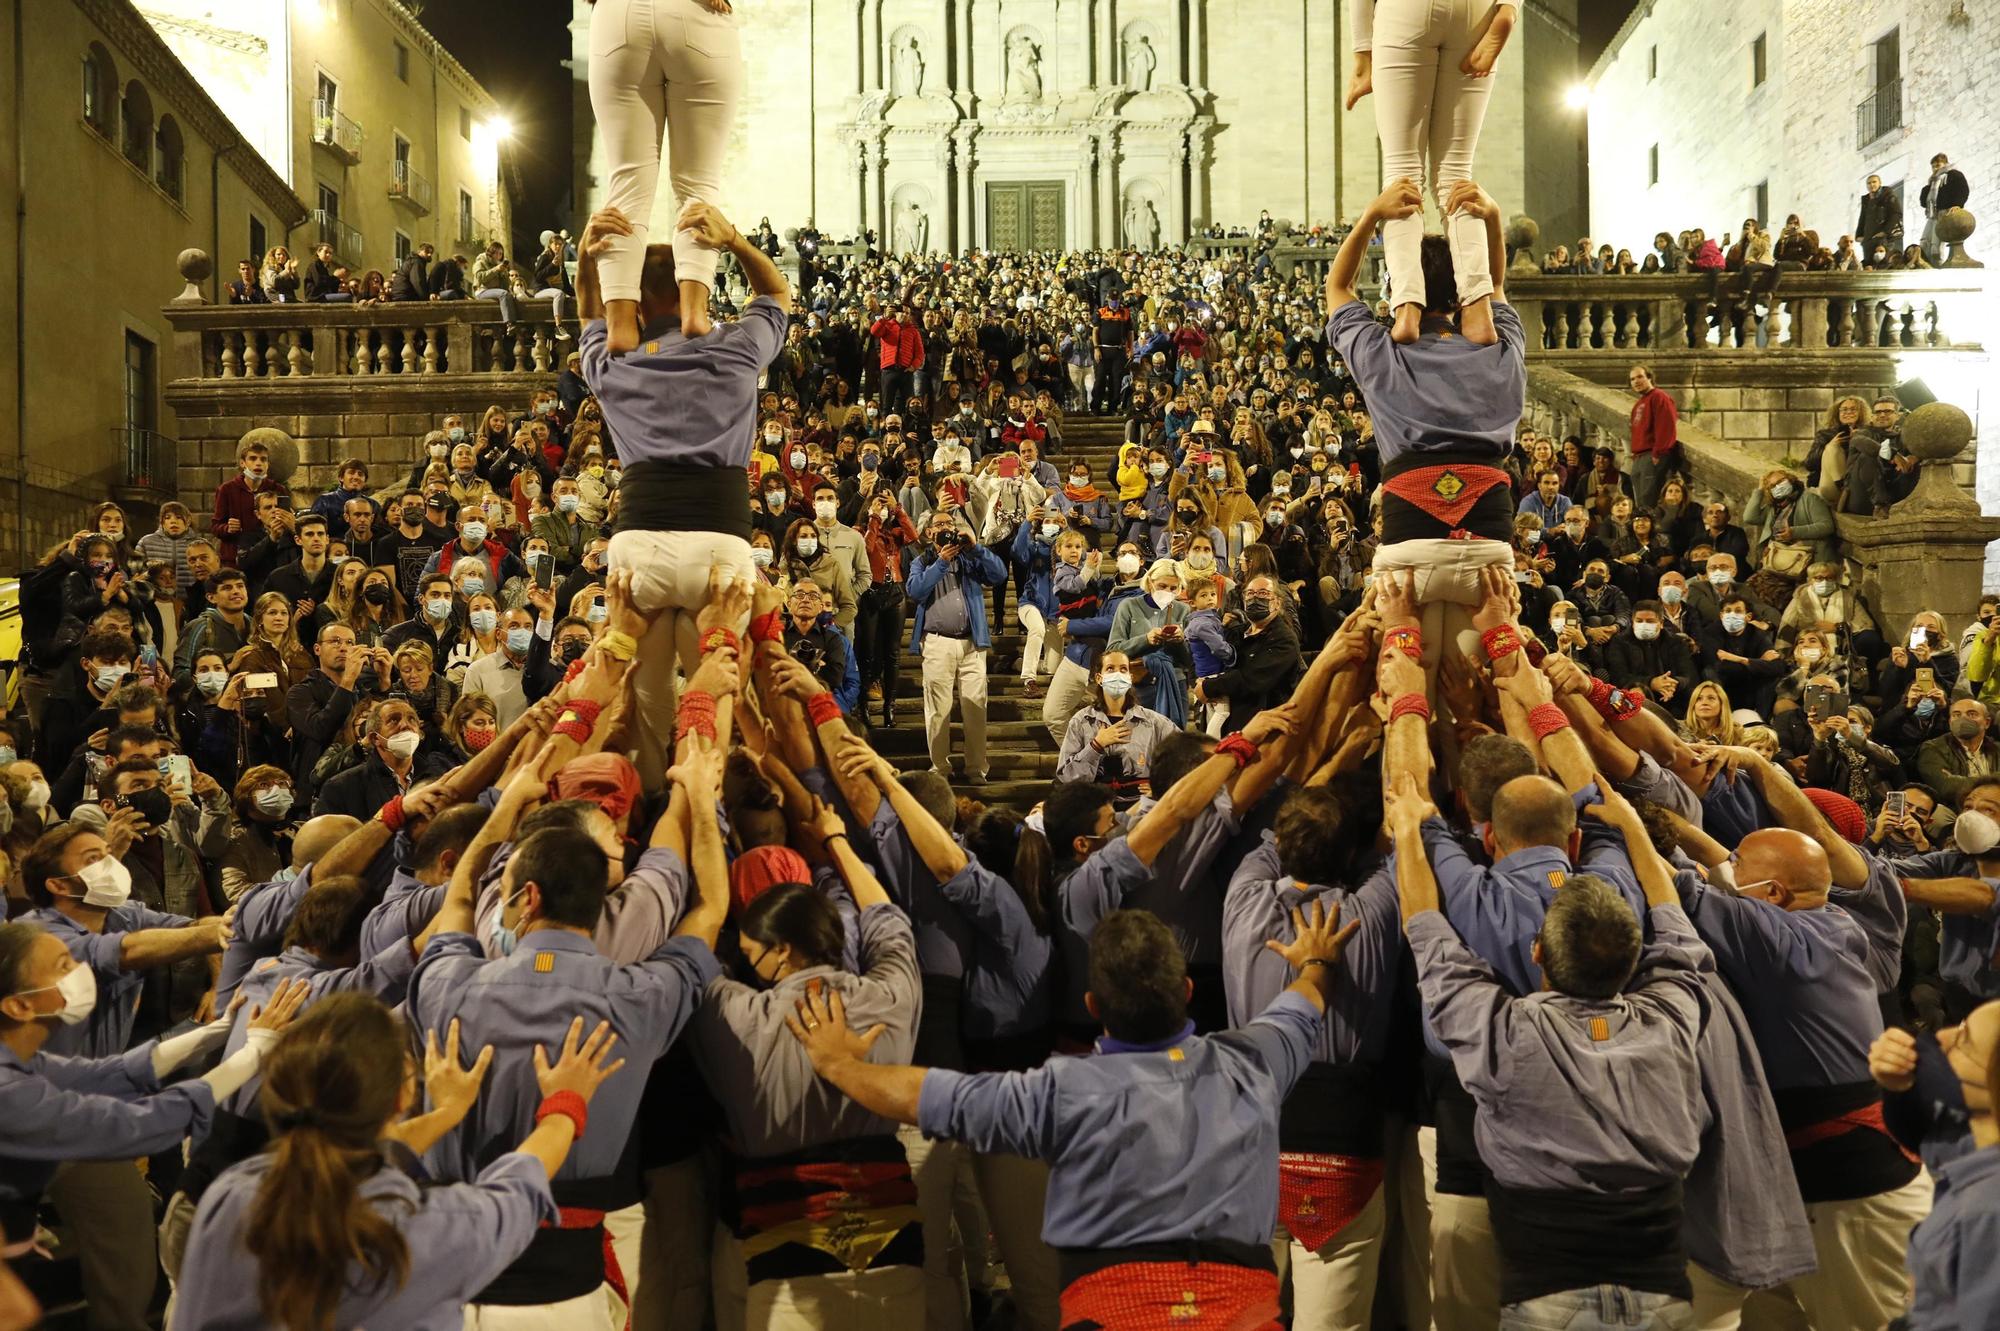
[
  {"x": 1001, "y": 837},
  {"x": 328, "y": 1093}
]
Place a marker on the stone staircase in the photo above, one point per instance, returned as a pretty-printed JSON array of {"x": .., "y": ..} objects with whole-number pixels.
[{"x": 1021, "y": 753}]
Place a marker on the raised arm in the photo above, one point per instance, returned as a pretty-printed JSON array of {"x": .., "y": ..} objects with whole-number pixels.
[
  {"x": 1405, "y": 807},
  {"x": 1655, "y": 878},
  {"x": 1789, "y": 805},
  {"x": 714, "y": 230},
  {"x": 1197, "y": 790},
  {"x": 861, "y": 765},
  {"x": 1467, "y": 197},
  {"x": 699, "y": 777},
  {"x": 1401, "y": 199}
]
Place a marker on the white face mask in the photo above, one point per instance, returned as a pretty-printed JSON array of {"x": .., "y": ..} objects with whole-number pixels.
[
  {"x": 211, "y": 682},
  {"x": 1975, "y": 833},
  {"x": 1809, "y": 654},
  {"x": 760, "y": 556},
  {"x": 78, "y": 988},
  {"x": 1115, "y": 686},
  {"x": 1163, "y": 598},
  {"x": 1645, "y": 632},
  {"x": 38, "y": 794},
  {"x": 823, "y": 508},
  {"x": 1128, "y": 564},
  {"x": 1822, "y": 589},
  {"x": 1557, "y": 623},
  {"x": 808, "y": 548},
  {"x": 106, "y": 883},
  {"x": 404, "y": 744}
]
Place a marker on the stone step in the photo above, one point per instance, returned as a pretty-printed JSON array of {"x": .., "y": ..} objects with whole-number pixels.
[{"x": 1023, "y": 736}]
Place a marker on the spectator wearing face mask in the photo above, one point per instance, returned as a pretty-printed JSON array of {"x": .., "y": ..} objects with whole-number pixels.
[
  {"x": 260, "y": 844},
  {"x": 1924, "y": 648},
  {"x": 1914, "y": 717},
  {"x": 805, "y": 557},
  {"x": 1571, "y": 546},
  {"x": 1268, "y": 661},
  {"x": 475, "y": 543},
  {"x": 1647, "y": 655},
  {"x": 499, "y": 674},
  {"x": 1721, "y": 582},
  {"x": 1741, "y": 657},
  {"x": 1954, "y": 763}
]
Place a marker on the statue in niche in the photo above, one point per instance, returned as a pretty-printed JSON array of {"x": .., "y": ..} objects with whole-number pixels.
[
  {"x": 912, "y": 231},
  {"x": 1142, "y": 225},
  {"x": 1140, "y": 62},
  {"x": 906, "y": 70},
  {"x": 1024, "y": 69}
]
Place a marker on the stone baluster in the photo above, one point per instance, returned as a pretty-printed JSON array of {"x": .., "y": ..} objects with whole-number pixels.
[
  {"x": 1584, "y": 325},
  {"x": 1628, "y": 331},
  {"x": 364, "y": 351},
  {"x": 1809, "y": 325},
  {"x": 409, "y": 351},
  {"x": 1864, "y": 323},
  {"x": 1909, "y": 322},
  {"x": 1841, "y": 319},
  {"x": 433, "y": 341},
  {"x": 295, "y": 354},
  {"x": 1562, "y": 326},
  {"x": 1669, "y": 324},
  {"x": 521, "y": 361},
  {"x": 254, "y": 366},
  {"x": 229, "y": 364},
  {"x": 541, "y": 350}
]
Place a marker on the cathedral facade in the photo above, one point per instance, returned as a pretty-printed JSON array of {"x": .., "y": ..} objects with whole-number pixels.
[{"x": 1069, "y": 124}]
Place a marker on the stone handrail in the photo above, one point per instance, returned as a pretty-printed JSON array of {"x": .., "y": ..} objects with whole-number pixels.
[
  {"x": 1564, "y": 404},
  {"x": 296, "y": 341},
  {"x": 1797, "y": 310}
]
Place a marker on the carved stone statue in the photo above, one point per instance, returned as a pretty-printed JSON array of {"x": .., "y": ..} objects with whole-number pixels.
[
  {"x": 1024, "y": 69},
  {"x": 912, "y": 232},
  {"x": 906, "y": 70},
  {"x": 1140, "y": 62},
  {"x": 1142, "y": 225}
]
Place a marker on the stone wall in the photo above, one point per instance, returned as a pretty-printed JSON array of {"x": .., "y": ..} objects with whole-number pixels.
[{"x": 1719, "y": 136}]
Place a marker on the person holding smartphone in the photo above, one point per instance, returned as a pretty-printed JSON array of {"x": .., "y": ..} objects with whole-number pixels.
[{"x": 951, "y": 635}]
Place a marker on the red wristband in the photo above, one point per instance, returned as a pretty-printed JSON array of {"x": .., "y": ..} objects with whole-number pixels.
[
  {"x": 719, "y": 637},
  {"x": 1410, "y": 704},
  {"x": 769, "y": 627},
  {"x": 695, "y": 716},
  {"x": 1238, "y": 748},
  {"x": 583, "y": 709},
  {"x": 822, "y": 708},
  {"x": 392, "y": 814},
  {"x": 1612, "y": 704},
  {"x": 568, "y": 1104},
  {"x": 1409, "y": 640},
  {"x": 1545, "y": 719},
  {"x": 1501, "y": 641},
  {"x": 1536, "y": 652},
  {"x": 576, "y": 668}
]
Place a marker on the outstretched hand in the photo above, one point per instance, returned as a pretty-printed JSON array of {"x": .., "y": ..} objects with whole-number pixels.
[
  {"x": 1316, "y": 937},
  {"x": 819, "y": 1020},
  {"x": 1396, "y": 598},
  {"x": 1499, "y": 597},
  {"x": 598, "y": 231},
  {"x": 1406, "y": 806},
  {"x": 706, "y": 224},
  {"x": 1468, "y": 198},
  {"x": 1399, "y": 199},
  {"x": 727, "y": 604}
]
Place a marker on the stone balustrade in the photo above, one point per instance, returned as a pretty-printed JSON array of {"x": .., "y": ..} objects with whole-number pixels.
[
  {"x": 272, "y": 343},
  {"x": 1783, "y": 310}
]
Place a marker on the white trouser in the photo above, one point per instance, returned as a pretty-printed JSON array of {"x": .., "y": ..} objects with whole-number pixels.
[
  {"x": 661, "y": 67},
  {"x": 882, "y": 1296},
  {"x": 1410, "y": 1219},
  {"x": 1465, "y": 1259},
  {"x": 1016, "y": 1191},
  {"x": 1333, "y": 1287},
  {"x": 1427, "y": 112},
  {"x": 671, "y": 1289},
  {"x": 955, "y": 663},
  {"x": 1447, "y": 588},
  {"x": 599, "y": 1310},
  {"x": 1218, "y": 717},
  {"x": 1069, "y": 693},
  {"x": 933, "y": 1168},
  {"x": 670, "y": 575},
  {"x": 1862, "y": 1280},
  {"x": 1044, "y": 645}
]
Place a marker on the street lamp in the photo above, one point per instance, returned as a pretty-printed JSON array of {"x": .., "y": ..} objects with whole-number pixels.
[
  {"x": 1577, "y": 96},
  {"x": 501, "y": 128}
]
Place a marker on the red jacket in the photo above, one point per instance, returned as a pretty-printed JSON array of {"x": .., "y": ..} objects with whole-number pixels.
[
  {"x": 902, "y": 344},
  {"x": 1012, "y": 434},
  {"x": 1655, "y": 425},
  {"x": 235, "y": 499}
]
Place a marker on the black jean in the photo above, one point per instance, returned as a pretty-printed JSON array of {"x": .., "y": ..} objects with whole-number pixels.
[{"x": 878, "y": 636}]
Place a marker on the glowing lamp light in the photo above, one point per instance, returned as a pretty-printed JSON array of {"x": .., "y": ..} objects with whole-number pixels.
[{"x": 1577, "y": 96}]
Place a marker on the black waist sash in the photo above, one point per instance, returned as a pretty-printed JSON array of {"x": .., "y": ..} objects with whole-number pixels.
[
  {"x": 1491, "y": 516},
  {"x": 562, "y": 1264},
  {"x": 1554, "y": 1241},
  {"x": 671, "y": 496},
  {"x": 1335, "y": 1109},
  {"x": 1460, "y": 1172},
  {"x": 1843, "y": 1164},
  {"x": 1076, "y": 1263},
  {"x": 939, "y": 1044}
]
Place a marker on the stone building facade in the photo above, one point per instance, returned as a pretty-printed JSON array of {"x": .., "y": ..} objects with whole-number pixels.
[
  {"x": 1703, "y": 113},
  {"x": 113, "y": 159},
  {"x": 1069, "y": 124}
]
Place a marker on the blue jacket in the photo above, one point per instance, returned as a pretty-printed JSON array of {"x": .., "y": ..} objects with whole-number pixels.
[
  {"x": 977, "y": 565},
  {"x": 1032, "y": 557},
  {"x": 1088, "y": 636}
]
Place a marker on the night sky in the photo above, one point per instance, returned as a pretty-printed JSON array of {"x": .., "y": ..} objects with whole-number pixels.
[{"x": 515, "y": 48}]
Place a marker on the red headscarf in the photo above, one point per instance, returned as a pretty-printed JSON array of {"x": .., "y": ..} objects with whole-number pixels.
[
  {"x": 605, "y": 779},
  {"x": 757, "y": 871},
  {"x": 1845, "y": 815}
]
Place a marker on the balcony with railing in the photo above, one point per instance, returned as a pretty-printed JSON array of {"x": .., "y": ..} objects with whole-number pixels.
[
  {"x": 336, "y": 131},
  {"x": 145, "y": 458},
  {"x": 328, "y": 229},
  {"x": 1878, "y": 113},
  {"x": 1755, "y": 313},
  {"x": 407, "y": 186}
]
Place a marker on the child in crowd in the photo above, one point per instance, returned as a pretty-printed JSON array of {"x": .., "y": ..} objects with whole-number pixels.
[
  {"x": 169, "y": 544},
  {"x": 1208, "y": 646}
]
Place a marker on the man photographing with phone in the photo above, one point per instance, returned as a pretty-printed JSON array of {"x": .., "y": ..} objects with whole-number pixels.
[{"x": 951, "y": 635}]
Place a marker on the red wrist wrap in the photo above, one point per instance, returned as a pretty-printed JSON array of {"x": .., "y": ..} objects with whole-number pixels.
[
  {"x": 1409, "y": 640},
  {"x": 822, "y": 708},
  {"x": 1410, "y": 704},
  {"x": 1536, "y": 652},
  {"x": 1238, "y": 748},
  {"x": 719, "y": 637},
  {"x": 696, "y": 716},
  {"x": 1545, "y": 719},
  {"x": 1500, "y": 642},
  {"x": 578, "y": 719},
  {"x": 1611, "y": 704},
  {"x": 570, "y": 1105},
  {"x": 392, "y": 814},
  {"x": 575, "y": 669},
  {"x": 767, "y": 627}
]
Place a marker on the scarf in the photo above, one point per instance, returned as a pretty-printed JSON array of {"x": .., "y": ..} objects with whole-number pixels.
[{"x": 1081, "y": 494}]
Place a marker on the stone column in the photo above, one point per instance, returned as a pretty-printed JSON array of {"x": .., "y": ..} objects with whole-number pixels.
[
  {"x": 1174, "y": 226},
  {"x": 1929, "y": 553},
  {"x": 1110, "y": 215}
]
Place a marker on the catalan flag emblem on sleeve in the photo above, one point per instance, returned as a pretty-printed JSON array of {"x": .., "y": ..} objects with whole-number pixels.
[{"x": 545, "y": 963}]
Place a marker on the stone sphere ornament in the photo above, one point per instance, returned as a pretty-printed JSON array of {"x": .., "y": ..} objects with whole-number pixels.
[
  {"x": 196, "y": 267},
  {"x": 1954, "y": 227}
]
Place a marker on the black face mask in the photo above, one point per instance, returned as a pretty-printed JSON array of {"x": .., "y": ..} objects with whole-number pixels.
[
  {"x": 376, "y": 594},
  {"x": 1256, "y": 611},
  {"x": 154, "y": 805},
  {"x": 1593, "y": 580},
  {"x": 573, "y": 649}
]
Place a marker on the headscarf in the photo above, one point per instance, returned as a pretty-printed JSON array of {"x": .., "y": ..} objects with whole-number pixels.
[
  {"x": 607, "y": 780},
  {"x": 758, "y": 870}
]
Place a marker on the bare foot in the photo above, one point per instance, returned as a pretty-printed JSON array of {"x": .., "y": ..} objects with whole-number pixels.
[
  {"x": 1485, "y": 53},
  {"x": 621, "y": 326},
  {"x": 1475, "y": 322},
  {"x": 1409, "y": 323}
]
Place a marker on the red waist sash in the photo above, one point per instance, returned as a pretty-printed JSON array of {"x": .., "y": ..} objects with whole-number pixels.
[
  {"x": 1319, "y": 1194},
  {"x": 1172, "y": 1296}
]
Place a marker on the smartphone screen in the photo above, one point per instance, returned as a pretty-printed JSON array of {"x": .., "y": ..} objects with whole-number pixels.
[
  {"x": 1896, "y": 805},
  {"x": 545, "y": 573}
]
